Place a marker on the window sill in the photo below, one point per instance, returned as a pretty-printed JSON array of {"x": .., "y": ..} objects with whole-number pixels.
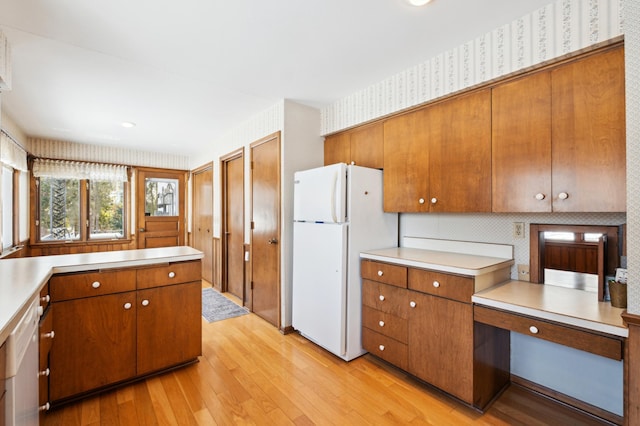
[{"x": 11, "y": 251}]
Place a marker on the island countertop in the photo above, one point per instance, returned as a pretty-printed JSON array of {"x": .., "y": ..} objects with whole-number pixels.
[{"x": 22, "y": 279}]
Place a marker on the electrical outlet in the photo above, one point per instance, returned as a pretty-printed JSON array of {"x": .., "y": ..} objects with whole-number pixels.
[
  {"x": 523, "y": 272},
  {"x": 518, "y": 229}
]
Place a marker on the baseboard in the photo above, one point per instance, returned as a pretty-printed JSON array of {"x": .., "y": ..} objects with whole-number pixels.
[{"x": 288, "y": 329}]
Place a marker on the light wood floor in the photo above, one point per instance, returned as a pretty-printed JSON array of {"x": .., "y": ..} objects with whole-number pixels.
[{"x": 250, "y": 373}]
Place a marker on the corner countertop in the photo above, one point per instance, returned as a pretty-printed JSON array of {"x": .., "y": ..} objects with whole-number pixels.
[
  {"x": 22, "y": 279},
  {"x": 559, "y": 304},
  {"x": 445, "y": 261}
]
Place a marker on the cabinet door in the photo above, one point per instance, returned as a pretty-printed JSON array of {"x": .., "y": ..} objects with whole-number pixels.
[
  {"x": 169, "y": 326},
  {"x": 367, "y": 146},
  {"x": 588, "y": 134},
  {"x": 460, "y": 154},
  {"x": 440, "y": 348},
  {"x": 94, "y": 344},
  {"x": 337, "y": 149},
  {"x": 406, "y": 162},
  {"x": 521, "y": 145}
]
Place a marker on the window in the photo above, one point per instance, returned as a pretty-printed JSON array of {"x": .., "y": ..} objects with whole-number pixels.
[
  {"x": 13, "y": 164},
  {"x": 7, "y": 207},
  {"x": 80, "y": 201}
]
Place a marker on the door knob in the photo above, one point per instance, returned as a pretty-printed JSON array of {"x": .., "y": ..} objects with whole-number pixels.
[
  {"x": 141, "y": 229},
  {"x": 273, "y": 241}
]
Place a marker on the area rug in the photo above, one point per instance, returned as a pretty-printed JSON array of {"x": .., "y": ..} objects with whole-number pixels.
[{"x": 216, "y": 307}]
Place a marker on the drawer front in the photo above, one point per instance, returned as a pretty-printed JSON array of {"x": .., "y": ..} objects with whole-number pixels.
[
  {"x": 385, "y": 298},
  {"x": 76, "y": 286},
  {"x": 384, "y": 323},
  {"x": 444, "y": 285},
  {"x": 168, "y": 274},
  {"x": 45, "y": 297},
  {"x": 385, "y": 347},
  {"x": 568, "y": 336},
  {"x": 383, "y": 272}
]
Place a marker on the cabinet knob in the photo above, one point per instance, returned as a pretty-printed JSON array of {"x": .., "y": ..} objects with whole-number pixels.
[
  {"x": 421, "y": 200},
  {"x": 436, "y": 284},
  {"x": 540, "y": 196},
  {"x": 172, "y": 274},
  {"x": 49, "y": 335},
  {"x": 381, "y": 323},
  {"x": 381, "y": 347},
  {"x": 44, "y": 372},
  {"x": 127, "y": 305},
  {"x": 381, "y": 297},
  {"x": 380, "y": 273},
  {"x": 563, "y": 195},
  {"x": 533, "y": 329},
  {"x": 353, "y": 163},
  {"x": 96, "y": 284},
  {"x": 145, "y": 302},
  {"x": 40, "y": 310},
  {"x": 412, "y": 304},
  {"x": 45, "y": 299},
  {"x": 44, "y": 407},
  {"x": 434, "y": 200}
]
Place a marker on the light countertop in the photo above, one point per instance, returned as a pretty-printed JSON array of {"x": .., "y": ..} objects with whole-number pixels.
[
  {"x": 22, "y": 279},
  {"x": 563, "y": 305}
]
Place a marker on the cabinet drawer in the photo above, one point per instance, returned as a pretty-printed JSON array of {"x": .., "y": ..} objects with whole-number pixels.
[
  {"x": 385, "y": 347},
  {"x": 384, "y": 273},
  {"x": 46, "y": 340},
  {"x": 568, "y": 336},
  {"x": 88, "y": 284},
  {"x": 385, "y": 298},
  {"x": 168, "y": 274},
  {"x": 445, "y": 285},
  {"x": 384, "y": 323}
]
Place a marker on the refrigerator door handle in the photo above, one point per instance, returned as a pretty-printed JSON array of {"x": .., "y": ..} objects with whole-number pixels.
[{"x": 334, "y": 214}]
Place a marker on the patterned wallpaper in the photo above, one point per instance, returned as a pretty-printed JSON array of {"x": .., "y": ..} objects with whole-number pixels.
[
  {"x": 559, "y": 28},
  {"x": 47, "y": 148}
]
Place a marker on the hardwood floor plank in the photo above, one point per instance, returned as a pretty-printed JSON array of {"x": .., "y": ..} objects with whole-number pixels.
[{"x": 145, "y": 413}]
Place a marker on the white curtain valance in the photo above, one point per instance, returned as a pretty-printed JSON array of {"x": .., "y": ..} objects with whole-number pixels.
[
  {"x": 12, "y": 154},
  {"x": 63, "y": 169}
]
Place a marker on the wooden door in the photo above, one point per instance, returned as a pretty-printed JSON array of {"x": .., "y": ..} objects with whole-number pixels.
[
  {"x": 99, "y": 335},
  {"x": 406, "y": 162},
  {"x": 160, "y": 207},
  {"x": 202, "y": 223},
  {"x": 460, "y": 154},
  {"x": 169, "y": 326},
  {"x": 440, "y": 348},
  {"x": 265, "y": 228},
  {"x": 233, "y": 224},
  {"x": 521, "y": 145},
  {"x": 367, "y": 146},
  {"x": 588, "y": 134},
  {"x": 337, "y": 149}
]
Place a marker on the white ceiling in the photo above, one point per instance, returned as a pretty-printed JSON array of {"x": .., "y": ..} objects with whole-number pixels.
[{"x": 186, "y": 72}]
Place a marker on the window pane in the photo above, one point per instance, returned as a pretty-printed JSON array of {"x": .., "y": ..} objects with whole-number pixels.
[
  {"x": 161, "y": 197},
  {"x": 562, "y": 236},
  {"x": 7, "y": 206},
  {"x": 106, "y": 201},
  {"x": 592, "y": 236},
  {"x": 59, "y": 209},
  {"x": 23, "y": 208}
]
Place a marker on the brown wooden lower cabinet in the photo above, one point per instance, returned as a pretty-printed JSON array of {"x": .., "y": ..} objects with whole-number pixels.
[
  {"x": 431, "y": 334},
  {"x": 106, "y": 339}
]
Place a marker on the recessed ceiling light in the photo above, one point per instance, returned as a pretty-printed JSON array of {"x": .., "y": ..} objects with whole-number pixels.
[
  {"x": 128, "y": 124},
  {"x": 419, "y": 2}
]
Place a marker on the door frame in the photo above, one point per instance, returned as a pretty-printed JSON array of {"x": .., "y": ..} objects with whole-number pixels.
[
  {"x": 203, "y": 168},
  {"x": 224, "y": 162},
  {"x": 274, "y": 136}
]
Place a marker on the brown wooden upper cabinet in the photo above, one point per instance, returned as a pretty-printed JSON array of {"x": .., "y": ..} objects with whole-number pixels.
[
  {"x": 558, "y": 138},
  {"x": 438, "y": 158},
  {"x": 361, "y": 146}
]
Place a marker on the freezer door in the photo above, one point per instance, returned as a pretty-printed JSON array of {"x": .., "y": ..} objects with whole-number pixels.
[
  {"x": 319, "y": 284},
  {"x": 319, "y": 195}
]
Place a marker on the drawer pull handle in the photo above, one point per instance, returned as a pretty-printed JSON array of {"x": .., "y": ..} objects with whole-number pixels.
[
  {"x": 145, "y": 302},
  {"x": 563, "y": 195},
  {"x": 381, "y": 347},
  {"x": 421, "y": 201},
  {"x": 533, "y": 329},
  {"x": 96, "y": 284},
  {"x": 540, "y": 196},
  {"x": 381, "y": 323},
  {"x": 127, "y": 305},
  {"x": 412, "y": 304},
  {"x": 436, "y": 284},
  {"x": 44, "y": 407},
  {"x": 49, "y": 335},
  {"x": 434, "y": 200},
  {"x": 381, "y": 297},
  {"x": 45, "y": 299},
  {"x": 172, "y": 274},
  {"x": 380, "y": 273},
  {"x": 44, "y": 372}
]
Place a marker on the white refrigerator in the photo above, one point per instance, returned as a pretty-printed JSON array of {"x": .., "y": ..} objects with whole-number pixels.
[{"x": 337, "y": 214}]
